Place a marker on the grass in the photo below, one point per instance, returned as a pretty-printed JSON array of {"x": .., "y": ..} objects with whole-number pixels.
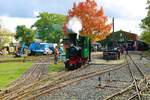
[
  {"x": 12, "y": 58},
  {"x": 11, "y": 71},
  {"x": 147, "y": 65},
  {"x": 147, "y": 53},
  {"x": 56, "y": 67},
  {"x": 5, "y": 59}
]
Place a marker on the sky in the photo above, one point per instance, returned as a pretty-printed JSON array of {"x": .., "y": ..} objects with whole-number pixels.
[{"x": 127, "y": 13}]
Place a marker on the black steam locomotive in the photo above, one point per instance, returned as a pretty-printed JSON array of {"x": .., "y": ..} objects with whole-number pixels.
[{"x": 77, "y": 51}]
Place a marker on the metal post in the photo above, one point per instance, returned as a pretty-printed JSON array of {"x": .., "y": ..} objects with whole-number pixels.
[
  {"x": 113, "y": 24},
  {"x": 89, "y": 50}
]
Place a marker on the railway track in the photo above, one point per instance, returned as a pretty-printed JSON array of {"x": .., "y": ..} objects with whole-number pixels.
[
  {"x": 30, "y": 79},
  {"x": 31, "y": 76},
  {"x": 63, "y": 82},
  {"x": 42, "y": 87},
  {"x": 138, "y": 78},
  {"x": 20, "y": 87},
  {"x": 132, "y": 90},
  {"x": 52, "y": 84}
]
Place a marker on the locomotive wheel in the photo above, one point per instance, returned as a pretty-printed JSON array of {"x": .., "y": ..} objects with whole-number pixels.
[
  {"x": 78, "y": 65},
  {"x": 67, "y": 66},
  {"x": 73, "y": 67}
]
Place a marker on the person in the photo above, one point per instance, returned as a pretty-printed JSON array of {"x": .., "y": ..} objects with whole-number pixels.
[
  {"x": 60, "y": 53},
  {"x": 126, "y": 48},
  {"x": 55, "y": 55}
]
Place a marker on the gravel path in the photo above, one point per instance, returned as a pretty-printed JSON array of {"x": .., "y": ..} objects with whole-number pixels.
[
  {"x": 95, "y": 88},
  {"x": 99, "y": 87}
]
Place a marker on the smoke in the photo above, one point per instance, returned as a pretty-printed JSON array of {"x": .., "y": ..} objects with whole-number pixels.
[{"x": 75, "y": 25}]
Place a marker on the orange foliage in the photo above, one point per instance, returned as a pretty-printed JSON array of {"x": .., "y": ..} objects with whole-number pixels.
[{"x": 94, "y": 22}]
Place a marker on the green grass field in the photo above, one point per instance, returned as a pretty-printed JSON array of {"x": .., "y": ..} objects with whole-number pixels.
[
  {"x": 56, "y": 67},
  {"x": 11, "y": 71}
]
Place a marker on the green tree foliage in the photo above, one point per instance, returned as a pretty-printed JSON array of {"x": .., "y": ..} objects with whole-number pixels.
[
  {"x": 145, "y": 25},
  {"x": 146, "y": 37},
  {"x": 4, "y": 37},
  {"x": 24, "y": 34},
  {"x": 49, "y": 26}
]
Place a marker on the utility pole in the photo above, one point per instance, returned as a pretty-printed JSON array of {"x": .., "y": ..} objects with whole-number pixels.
[{"x": 113, "y": 23}]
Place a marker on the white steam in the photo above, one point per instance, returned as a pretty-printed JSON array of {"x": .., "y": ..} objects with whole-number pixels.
[{"x": 75, "y": 25}]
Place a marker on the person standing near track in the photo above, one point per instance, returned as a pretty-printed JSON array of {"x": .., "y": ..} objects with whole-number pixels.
[
  {"x": 126, "y": 48},
  {"x": 55, "y": 55}
]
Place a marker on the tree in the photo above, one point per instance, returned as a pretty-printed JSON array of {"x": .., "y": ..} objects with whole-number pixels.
[
  {"x": 4, "y": 37},
  {"x": 24, "y": 34},
  {"x": 145, "y": 25},
  {"x": 146, "y": 36},
  {"x": 49, "y": 26},
  {"x": 94, "y": 22}
]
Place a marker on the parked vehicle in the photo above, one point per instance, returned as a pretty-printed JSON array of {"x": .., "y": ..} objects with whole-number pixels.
[
  {"x": 142, "y": 46},
  {"x": 39, "y": 49},
  {"x": 21, "y": 50},
  {"x": 112, "y": 54}
]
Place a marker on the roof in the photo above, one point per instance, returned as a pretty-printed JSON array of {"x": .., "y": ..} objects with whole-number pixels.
[{"x": 128, "y": 35}]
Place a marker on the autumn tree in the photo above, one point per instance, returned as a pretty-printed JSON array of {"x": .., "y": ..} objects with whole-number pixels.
[
  {"x": 94, "y": 22},
  {"x": 145, "y": 25}
]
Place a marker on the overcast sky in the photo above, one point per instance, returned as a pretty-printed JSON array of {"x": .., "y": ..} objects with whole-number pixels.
[{"x": 127, "y": 13}]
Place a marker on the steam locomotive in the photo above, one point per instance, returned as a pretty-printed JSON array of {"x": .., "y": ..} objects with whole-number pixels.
[{"x": 77, "y": 51}]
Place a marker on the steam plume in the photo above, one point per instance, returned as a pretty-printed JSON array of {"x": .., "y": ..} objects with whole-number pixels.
[{"x": 75, "y": 25}]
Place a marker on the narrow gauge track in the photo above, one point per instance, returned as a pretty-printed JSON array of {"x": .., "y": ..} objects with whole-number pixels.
[
  {"x": 53, "y": 86},
  {"x": 49, "y": 80},
  {"x": 15, "y": 91},
  {"x": 37, "y": 84},
  {"x": 64, "y": 79},
  {"x": 135, "y": 83},
  {"x": 32, "y": 75}
]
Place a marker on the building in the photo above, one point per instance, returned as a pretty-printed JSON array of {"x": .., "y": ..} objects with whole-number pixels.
[
  {"x": 7, "y": 40},
  {"x": 123, "y": 36},
  {"x": 120, "y": 39},
  {"x": 125, "y": 39}
]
